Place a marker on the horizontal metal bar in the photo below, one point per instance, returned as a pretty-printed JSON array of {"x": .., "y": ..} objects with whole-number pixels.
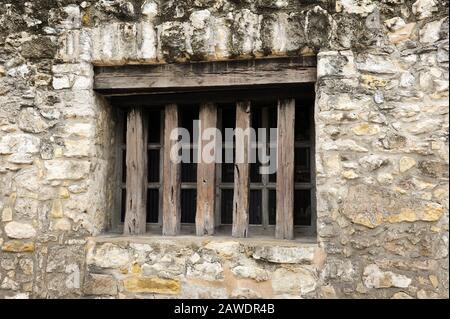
[
  {"x": 303, "y": 186},
  {"x": 188, "y": 185}
]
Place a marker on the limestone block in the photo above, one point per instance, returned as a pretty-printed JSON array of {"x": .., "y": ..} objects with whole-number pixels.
[
  {"x": 109, "y": 256},
  {"x": 362, "y": 8},
  {"x": 406, "y": 163},
  {"x": 430, "y": 33},
  {"x": 251, "y": 271},
  {"x": 72, "y": 17},
  {"x": 377, "y": 64},
  {"x": 98, "y": 284},
  {"x": 39, "y": 48},
  {"x": 375, "y": 278},
  {"x": 226, "y": 249},
  {"x": 284, "y": 255},
  {"x": 175, "y": 46},
  {"x": 424, "y": 8},
  {"x": 149, "y": 9},
  {"x": 31, "y": 121},
  {"x": 395, "y": 23},
  {"x": 402, "y": 33},
  {"x": 202, "y": 42},
  {"x": 272, "y": 4},
  {"x": 205, "y": 270},
  {"x": 19, "y": 230},
  {"x": 373, "y": 162},
  {"x": 66, "y": 169},
  {"x": 336, "y": 63},
  {"x": 246, "y": 32},
  {"x": 78, "y": 148},
  {"x": 20, "y": 144},
  {"x": 297, "y": 282},
  {"x": 26, "y": 207},
  {"x": 346, "y": 145}
]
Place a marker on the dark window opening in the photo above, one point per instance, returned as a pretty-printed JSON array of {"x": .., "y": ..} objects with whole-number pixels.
[{"x": 262, "y": 192}]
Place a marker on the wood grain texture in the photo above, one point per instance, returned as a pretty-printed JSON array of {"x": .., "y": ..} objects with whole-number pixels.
[
  {"x": 172, "y": 176},
  {"x": 241, "y": 173},
  {"x": 136, "y": 166},
  {"x": 207, "y": 74},
  {"x": 206, "y": 174},
  {"x": 284, "y": 228}
]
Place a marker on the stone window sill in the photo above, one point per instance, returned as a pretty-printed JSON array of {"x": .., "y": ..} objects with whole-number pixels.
[
  {"x": 308, "y": 241},
  {"x": 277, "y": 251}
]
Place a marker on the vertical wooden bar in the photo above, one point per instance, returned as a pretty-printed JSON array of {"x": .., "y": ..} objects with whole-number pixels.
[
  {"x": 136, "y": 162},
  {"x": 218, "y": 212},
  {"x": 204, "y": 218},
  {"x": 265, "y": 177},
  {"x": 161, "y": 169},
  {"x": 285, "y": 172},
  {"x": 120, "y": 141},
  {"x": 172, "y": 176},
  {"x": 241, "y": 173}
]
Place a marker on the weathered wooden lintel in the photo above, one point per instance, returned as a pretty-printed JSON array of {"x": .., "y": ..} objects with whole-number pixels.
[{"x": 203, "y": 75}]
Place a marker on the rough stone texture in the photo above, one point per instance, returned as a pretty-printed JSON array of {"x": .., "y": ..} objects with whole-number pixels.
[{"x": 382, "y": 156}]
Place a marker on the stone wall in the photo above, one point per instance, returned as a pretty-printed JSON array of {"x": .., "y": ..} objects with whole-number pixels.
[{"x": 381, "y": 159}]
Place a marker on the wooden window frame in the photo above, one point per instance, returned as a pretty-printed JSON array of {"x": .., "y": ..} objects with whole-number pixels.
[{"x": 139, "y": 95}]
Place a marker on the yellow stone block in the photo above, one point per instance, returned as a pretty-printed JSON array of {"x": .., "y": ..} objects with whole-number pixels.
[
  {"x": 401, "y": 295},
  {"x": 435, "y": 145},
  {"x": 405, "y": 215},
  {"x": 28, "y": 286},
  {"x": 15, "y": 246},
  {"x": 371, "y": 221},
  {"x": 373, "y": 82},
  {"x": 7, "y": 214},
  {"x": 57, "y": 210},
  {"x": 400, "y": 190},
  {"x": 136, "y": 268},
  {"x": 435, "y": 229},
  {"x": 152, "y": 285},
  {"x": 58, "y": 152},
  {"x": 12, "y": 199},
  {"x": 422, "y": 280},
  {"x": 432, "y": 212},
  {"x": 366, "y": 129},
  {"x": 349, "y": 174},
  {"x": 86, "y": 18},
  {"x": 434, "y": 281},
  {"x": 64, "y": 193}
]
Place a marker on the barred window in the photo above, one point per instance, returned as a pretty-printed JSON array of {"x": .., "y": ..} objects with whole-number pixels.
[{"x": 227, "y": 196}]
